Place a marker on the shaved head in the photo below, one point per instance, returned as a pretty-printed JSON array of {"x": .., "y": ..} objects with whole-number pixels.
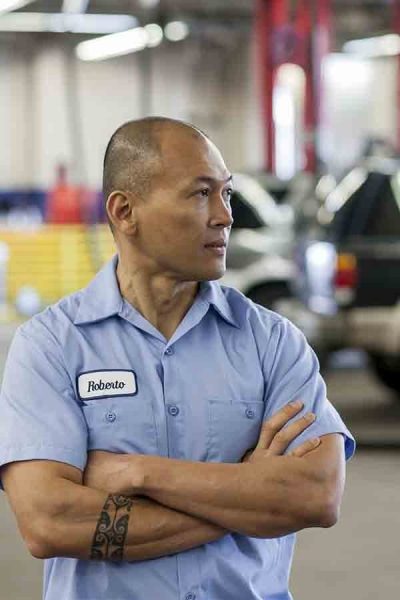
[
  {"x": 167, "y": 192},
  {"x": 133, "y": 158}
]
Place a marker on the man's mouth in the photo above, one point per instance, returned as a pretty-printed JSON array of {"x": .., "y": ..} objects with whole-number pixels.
[
  {"x": 216, "y": 244},
  {"x": 218, "y": 247}
]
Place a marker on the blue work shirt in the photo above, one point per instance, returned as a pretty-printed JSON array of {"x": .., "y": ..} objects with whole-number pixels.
[{"x": 202, "y": 395}]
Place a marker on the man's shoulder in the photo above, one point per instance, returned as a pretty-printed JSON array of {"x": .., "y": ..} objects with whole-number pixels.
[
  {"x": 247, "y": 312},
  {"x": 54, "y": 320}
]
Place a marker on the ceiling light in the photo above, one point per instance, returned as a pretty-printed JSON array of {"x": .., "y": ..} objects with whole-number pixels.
[
  {"x": 155, "y": 34},
  {"x": 9, "y": 5},
  {"x": 175, "y": 31},
  {"x": 60, "y": 22},
  {"x": 74, "y": 6},
  {"x": 116, "y": 44},
  {"x": 383, "y": 45},
  {"x": 149, "y": 3}
]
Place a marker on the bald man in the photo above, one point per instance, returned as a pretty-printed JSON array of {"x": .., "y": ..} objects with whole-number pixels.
[{"x": 163, "y": 437}]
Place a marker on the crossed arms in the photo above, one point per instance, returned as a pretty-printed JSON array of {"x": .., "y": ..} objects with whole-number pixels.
[{"x": 137, "y": 507}]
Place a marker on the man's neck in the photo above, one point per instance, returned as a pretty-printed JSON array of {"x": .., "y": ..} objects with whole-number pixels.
[{"x": 160, "y": 299}]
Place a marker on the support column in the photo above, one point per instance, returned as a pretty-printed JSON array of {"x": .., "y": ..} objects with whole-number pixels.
[
  {"x": 396, "y": 29},
  {"x": 271, "y": 17},
  {"x": 322, "y": 46},
  {"x": 304, "y": 26},
  {"x": 292, "y": 31}
]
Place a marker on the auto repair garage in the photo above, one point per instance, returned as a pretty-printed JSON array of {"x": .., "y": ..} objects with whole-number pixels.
[{"x": 174, "y": 165}]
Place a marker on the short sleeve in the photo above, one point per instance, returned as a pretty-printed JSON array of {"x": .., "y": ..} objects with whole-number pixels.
[
  {"x": 291, "y": 371},
  {"x": 40, "y": 417}
]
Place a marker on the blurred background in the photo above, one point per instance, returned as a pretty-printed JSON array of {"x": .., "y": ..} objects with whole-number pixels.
[{"x": 303, "y": 99}]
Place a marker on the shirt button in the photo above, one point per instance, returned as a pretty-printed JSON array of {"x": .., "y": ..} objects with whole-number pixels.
[
  {"x": 169, "y": 351},
  {"x": 250, "y": 414},
  {"x": 111, "y": 416},
  {"x": 190, "y": 596},
  {"x": 173, "y": 410}
]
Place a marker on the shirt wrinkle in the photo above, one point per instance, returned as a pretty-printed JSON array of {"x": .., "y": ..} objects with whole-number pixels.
[{"x": 268, "y": 379}]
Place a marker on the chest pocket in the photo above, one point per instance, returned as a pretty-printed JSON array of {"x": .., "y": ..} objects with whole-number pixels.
[
  {"x": 124, "y": 424},
  {"x": 233, "y": 428}
]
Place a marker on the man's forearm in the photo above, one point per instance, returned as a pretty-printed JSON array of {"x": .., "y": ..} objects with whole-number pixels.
[
  {"x": 153, "y": 531},
  {"x": 264, "y": 500},
  {"x": 67, "y": 519}
]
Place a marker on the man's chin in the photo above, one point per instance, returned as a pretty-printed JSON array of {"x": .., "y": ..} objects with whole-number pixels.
[
  {"x": 212, "y": 275},
  {"x": 204, "y": 272},
  {"x": 216, "y": 277}
]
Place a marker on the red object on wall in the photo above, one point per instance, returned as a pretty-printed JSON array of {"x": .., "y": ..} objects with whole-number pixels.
[{"x": 63, "y": 205}]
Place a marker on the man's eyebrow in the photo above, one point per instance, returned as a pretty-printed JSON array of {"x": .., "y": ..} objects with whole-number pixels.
[{"x": 211, "y": 180}]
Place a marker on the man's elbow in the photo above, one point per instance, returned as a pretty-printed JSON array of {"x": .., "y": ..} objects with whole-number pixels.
[
  {"x": 38, "y": 539},
  {"x": 39, "y": 549},
  {"x": 329, "y": 515},
  {"x": 327, "y": 509}
]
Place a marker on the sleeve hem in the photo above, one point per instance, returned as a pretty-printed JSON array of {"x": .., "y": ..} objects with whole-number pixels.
[
  {"x": 349, "y": 441},
  {"x": 40, "y": 452}
]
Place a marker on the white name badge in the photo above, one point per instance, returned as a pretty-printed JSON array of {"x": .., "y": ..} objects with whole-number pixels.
[{"x": 99, "y": 384}]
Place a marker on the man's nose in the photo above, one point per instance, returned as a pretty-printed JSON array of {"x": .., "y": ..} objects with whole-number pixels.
[{"x": 221, "y": 213}]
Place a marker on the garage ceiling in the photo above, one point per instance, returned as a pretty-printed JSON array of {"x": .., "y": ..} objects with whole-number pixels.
[{"x": 352, "y": 18}]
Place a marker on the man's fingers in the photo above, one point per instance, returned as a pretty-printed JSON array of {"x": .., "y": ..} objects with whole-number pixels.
[
  {"x": 271, "y": 427},
  {"x": 285, "y": 436},
  {"x": 305, "y": 447}
]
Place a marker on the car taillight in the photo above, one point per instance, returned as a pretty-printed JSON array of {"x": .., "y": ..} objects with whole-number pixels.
[
  {"x": 346, "y": 271},
  {"x": 345, "y": 280}
]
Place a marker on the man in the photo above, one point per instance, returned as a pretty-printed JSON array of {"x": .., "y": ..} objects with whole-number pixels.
[{"x": 163, "y": 437}]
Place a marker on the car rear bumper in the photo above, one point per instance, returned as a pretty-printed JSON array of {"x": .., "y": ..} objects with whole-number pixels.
[{"x": 375, "y": 329}]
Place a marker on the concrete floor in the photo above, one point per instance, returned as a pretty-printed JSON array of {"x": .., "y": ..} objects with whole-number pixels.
[
  {"x": 355, "y": 560},
  {"x": 358, "y": 559}
]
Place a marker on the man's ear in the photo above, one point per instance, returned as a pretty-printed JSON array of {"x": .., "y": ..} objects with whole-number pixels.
[{"x": 120, "y": 207}]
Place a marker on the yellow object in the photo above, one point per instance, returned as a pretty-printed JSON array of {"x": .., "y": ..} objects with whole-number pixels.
[
  {"x": 346, "y": 262},
  {"x": 55, "y": 260}
]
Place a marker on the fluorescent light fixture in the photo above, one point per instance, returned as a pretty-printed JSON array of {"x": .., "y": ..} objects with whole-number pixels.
[
  {"x": 155, "y": 34},
  {"x": 383, "y": 45},
  {"x": 60, "y": 22},
  {"x": 116, "y": 44},
  {"x": 9, "y": 5},
  {"x": 149, "y": 3},
  {"x": 75, "y": 6},
  {"x": 175, "y": 31}
]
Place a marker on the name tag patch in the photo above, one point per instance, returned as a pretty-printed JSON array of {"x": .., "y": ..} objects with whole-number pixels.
[{"x": 100, "y": 384}]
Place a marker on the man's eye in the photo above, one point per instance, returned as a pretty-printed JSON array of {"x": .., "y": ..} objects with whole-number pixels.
[
  {"x": 205, "y": 192},
  {"x": 228, "y": 193}
]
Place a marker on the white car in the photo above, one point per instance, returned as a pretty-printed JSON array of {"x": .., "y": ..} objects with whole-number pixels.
[{"x": 259, "y": 252}]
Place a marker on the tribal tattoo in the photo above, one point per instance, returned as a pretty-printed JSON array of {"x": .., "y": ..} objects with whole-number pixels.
[{"x": 112, "y": 526}]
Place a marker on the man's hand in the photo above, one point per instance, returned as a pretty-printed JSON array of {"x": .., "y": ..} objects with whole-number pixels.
[
  {"x": 274, "y": 438},
  {"x": 124, "y": 473}
]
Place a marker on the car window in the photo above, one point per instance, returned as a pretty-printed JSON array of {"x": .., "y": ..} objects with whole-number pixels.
[
  {"x": 370, "y": 211},
  {"x": 243, "y": 214},
  {"x": 342, "y": 224},
  {"x": 384, "y": 218}
]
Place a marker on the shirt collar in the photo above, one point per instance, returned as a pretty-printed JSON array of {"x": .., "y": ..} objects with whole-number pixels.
[
  {"x": 102, "y": 297},
  {"x": 212, "y": 293}
]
